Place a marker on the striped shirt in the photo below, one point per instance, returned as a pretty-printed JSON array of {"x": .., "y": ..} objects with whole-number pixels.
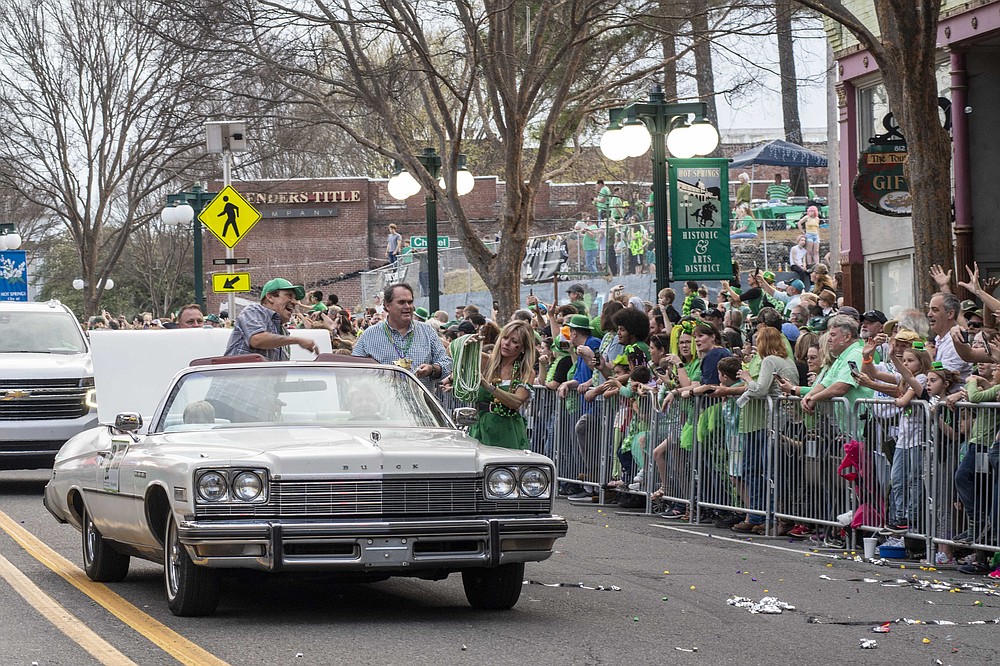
[{"x": 420, "y": 344}]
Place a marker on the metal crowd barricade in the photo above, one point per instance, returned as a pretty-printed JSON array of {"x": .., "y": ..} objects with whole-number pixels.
[
  {"x": 807, "y": 450},
  {"x": 719, "y": 458},
  {"x": 894, "y": 453},
  {"x": 964, "y": 476},
  {"x": 581, "y": 456}
]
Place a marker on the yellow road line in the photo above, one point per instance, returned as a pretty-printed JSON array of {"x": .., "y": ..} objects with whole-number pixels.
[
  {"x": 63, "y": 620},
  {"x": 158, "y": 633}
]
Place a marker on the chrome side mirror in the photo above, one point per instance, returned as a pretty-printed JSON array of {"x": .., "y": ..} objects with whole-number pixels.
[
  {"x": 464, "y": 416},
  {"x": 128, "y": 421}
]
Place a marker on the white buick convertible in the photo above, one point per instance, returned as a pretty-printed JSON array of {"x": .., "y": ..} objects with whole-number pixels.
[{"x": 331, "y": 465}]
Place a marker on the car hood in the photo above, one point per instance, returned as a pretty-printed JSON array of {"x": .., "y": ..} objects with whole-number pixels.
[
  {"x": 315, "y": 452},
  {"x": 45, "y": 366}
]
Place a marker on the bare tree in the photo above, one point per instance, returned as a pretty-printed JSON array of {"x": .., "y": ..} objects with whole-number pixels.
[
  {"x": 783, "y": 12},
  {"x": 96, "y": 114},
  {"x": 906, "y": 54}
]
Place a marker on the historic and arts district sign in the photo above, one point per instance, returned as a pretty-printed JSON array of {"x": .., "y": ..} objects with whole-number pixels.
[{"x": 699, "y": 219}]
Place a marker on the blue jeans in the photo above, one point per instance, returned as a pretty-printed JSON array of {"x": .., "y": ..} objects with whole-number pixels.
[
  {"x": 590, "y": 260},
  {"x": 743, "y": 234},
  {"x": 907, "y": 486},
  {"x": 755, "y": 472}
]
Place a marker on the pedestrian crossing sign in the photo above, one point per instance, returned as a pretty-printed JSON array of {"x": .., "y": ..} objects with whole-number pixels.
[{"x": 229, "y": 216}]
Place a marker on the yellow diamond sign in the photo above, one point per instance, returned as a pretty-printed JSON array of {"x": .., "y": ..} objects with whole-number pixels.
[{"x": 229, "y": 216}]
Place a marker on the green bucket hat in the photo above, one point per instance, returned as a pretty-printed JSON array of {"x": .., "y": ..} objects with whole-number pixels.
[
  {"x": 421, "y": 313},
  {"x": 277, "y": 284}
]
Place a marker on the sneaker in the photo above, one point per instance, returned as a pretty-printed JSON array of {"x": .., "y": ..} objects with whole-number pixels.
[
  {"x": 586, "y": 497},
  {"x": 834, "y": 540},
  {"x": 760, "y": 529},
  {"x": 966, "y": 537},
  {"x": 635, "y": 485},
  {"x": 975, "y": 569},
  {"x": 727, "y": 521},
  {"x": 673, "y": 513},
  {"x": 995, "y": 574},
  {"x": 638, "y": 477},
  {"x": 783, "y": 527},
  {"x": 744, "y": 527},
  {"x": 897, "y": 527},
  {"x": 800, "y": 531}
]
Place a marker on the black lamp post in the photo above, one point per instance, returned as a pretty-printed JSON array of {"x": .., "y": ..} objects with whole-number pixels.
[
  {"x": 403, "y": 185},
  {"x": 634, "y": 128},
  {"x": 185, "y": 207}
]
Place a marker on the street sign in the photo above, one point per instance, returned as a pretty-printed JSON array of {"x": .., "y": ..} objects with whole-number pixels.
[
  {"x": 420, "y": 242},
  {"x": 699, "y": 219},
  {"x": 230, "y": 282},
  {"x": 231, "y": 261},
  {"x": 229, "y": 216}
]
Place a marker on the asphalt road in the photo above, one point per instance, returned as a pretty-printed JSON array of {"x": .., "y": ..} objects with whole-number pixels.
[{"x": 668, "y": 586}]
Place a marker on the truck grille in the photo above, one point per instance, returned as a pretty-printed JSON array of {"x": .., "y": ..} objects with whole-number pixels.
[
  {"x": 42, "y": 399},
  {"x": 389, "y": 498}
]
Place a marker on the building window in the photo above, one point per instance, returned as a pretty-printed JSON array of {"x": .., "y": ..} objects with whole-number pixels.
[{"x": 892, "y": 285}]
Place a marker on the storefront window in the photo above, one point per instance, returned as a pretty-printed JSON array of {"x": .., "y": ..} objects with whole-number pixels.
[{"x": 892, "y": 285}]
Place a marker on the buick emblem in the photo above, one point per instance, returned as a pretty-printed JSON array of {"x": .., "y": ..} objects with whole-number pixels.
[{"x": 375, "y": 436}]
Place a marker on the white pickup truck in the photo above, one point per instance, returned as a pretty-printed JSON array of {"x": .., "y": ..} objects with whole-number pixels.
[{"x": 46, "y": 382}]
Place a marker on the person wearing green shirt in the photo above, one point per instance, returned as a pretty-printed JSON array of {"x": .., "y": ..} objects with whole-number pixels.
[
  {"x": 602, "y": 201},
  {"x": 778, "y": 190},
  {"x": 743, "y": 191},
  {"x": 840, "y": 381},
  {"x": 591, "y": 246},
  {"x": 747, "y": 224}
]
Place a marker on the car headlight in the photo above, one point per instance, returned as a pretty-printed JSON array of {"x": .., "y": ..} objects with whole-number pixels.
[
  {"x": 500, "y": 482},
  {"x": 534, "y": 482},
  {"x": 90, "y": 400},
  {"x": 212, "y": 486},
  {"x": 247, "y": 486}
]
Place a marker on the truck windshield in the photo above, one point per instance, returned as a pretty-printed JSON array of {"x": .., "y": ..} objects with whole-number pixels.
[{"x": 40, "y": 333}]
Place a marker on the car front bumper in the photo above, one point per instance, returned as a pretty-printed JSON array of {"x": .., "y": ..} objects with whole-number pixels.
[
  {"x": 371, "y": 546},
  {"x": 31, "y": 444}
]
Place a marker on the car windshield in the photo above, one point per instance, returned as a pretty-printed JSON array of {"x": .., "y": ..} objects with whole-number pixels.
[
  {"x": 263, "y": 395},
  {"x": 54, "y": 332}
]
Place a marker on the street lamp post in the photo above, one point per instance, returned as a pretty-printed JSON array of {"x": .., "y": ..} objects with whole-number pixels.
[
  {"x": 403, "y": 185},
  {"x": 185, "y": 207},
  {"x": 10, "y": 239},
  {"x": 662, "y": 125}
]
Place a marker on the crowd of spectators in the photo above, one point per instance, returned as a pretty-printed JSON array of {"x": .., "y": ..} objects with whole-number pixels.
[{"x": 754, "y": 340}]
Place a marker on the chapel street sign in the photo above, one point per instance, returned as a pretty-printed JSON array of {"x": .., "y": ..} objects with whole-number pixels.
[
  {"x": 699, "y": 219},
  {"x": 420, "y": 242}
]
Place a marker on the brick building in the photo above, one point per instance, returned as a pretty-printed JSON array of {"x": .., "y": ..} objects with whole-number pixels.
[{"x": 322, "y": 232}]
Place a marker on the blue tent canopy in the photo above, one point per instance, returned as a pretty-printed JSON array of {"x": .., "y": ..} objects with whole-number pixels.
[{"x": 779, "y": 153}]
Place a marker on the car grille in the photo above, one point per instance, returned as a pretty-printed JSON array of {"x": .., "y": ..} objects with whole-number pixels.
[
  {"x": 388, "y": 498},
  {"x": 42, "y": 399}
]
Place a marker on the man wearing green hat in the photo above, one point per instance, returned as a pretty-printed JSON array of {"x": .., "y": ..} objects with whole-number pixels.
[{"x": 260, "y": 327}]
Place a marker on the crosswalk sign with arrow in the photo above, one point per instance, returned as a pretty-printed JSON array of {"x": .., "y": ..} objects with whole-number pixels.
[{"x": 230, "y": 282}]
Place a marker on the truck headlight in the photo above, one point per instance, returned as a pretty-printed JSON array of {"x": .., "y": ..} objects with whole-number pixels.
[{"x": 90, "y": 399}]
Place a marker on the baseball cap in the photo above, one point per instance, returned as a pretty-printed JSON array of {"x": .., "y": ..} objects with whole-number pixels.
[
  {"x": 277, "y": 284},
  {"x": 715, "y": 313},
  {"x": 797, "y": 284},
  {"x": 969, "y": 305},
  {"x": 850, "y": 311},
  {"x": 790, "y": 331},
  {"x": 576, "y": 288},
  {"x": 466, "y": 326},
  {"x": 698, "y": 304},
  {"x": 874, "y": 315}
]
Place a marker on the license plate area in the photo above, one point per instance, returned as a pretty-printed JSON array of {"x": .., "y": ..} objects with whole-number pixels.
[{"x": 386, "y": 551}]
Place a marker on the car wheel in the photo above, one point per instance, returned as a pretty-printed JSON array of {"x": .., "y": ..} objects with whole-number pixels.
[
  {"x": 191, "y": 590},
  {"x": 496, "y": 588},
  {"x": 101, "y": 561}
]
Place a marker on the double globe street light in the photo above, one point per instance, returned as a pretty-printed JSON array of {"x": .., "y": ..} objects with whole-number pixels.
[
  {"x": 402, "y": 185},
  {"x": 682, "y": 128}
]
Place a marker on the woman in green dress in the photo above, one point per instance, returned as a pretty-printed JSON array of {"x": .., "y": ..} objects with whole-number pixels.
[{"x": 508, "y": 373}]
